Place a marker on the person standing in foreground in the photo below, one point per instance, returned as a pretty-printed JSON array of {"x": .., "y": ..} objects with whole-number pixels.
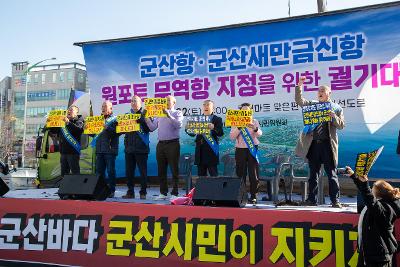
[
  {"x": 107, "y": 147},
  {"x": 70, "y": 141},
  {"x": 376, "y": 241},
  {"x": 246, "y": 143},
  {"x": 168, "y": 147},
  {"x": 137, "y": 151},
  {"x": 319, "y": 145},
  {"x": 207, "y": 148}
]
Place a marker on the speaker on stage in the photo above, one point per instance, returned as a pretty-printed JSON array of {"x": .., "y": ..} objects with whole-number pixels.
[
  {"x": 220, "y": 191},
  {"x": 3, "y": 188},
  {"x": 82, "y": 186}
]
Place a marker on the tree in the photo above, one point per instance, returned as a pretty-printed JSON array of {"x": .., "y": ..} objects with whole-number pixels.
[{"x": 6, "y": 136}]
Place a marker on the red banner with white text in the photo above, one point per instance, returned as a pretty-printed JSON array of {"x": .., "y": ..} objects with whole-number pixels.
[{"x": 120, "y": 234}]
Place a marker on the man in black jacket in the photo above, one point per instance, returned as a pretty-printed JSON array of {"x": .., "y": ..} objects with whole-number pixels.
[
  {"x": 137, "y": 151},
  {"x": 207, "y": 150},
  {"x": 70, "y": 140},
  {"x": 107, "y": 147}
]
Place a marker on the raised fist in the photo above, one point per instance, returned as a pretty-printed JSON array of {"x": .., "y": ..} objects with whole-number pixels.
[{"x": 301, "y": 81}]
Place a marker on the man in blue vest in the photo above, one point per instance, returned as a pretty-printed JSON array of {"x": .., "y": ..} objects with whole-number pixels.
[
  {"x": 70, "y": 141},
  {"x": 107, "y": 147},
  {"x": 137, "y": 151},
  {"x": 207, "y": 146}
]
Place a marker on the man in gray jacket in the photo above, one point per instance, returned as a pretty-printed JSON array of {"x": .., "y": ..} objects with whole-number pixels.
[{"x": 319, "y": 145}]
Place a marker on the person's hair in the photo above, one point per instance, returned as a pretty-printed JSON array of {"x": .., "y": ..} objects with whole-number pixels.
[
  {"x": 208, "y": 101},
  {"x": 108, "y": 102},
  {"x": 73, "y": 106},
  {"x": 172, "y": 98},
  {"x": 326, "y": 88},
  {"x": 386, "y": 191},
  {"x": 136, "y": 96},
  {"x": 246, "y": 105}
]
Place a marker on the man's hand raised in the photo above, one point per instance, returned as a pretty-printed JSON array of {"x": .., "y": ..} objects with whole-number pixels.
[{"x": 301, "y": 81}]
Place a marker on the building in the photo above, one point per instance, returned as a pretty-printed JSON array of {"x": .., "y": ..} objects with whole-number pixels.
[
  {"x": 5, "y": 98},
  {"x": 5, "y": 118},
  {"x": 48, "y": 88}
]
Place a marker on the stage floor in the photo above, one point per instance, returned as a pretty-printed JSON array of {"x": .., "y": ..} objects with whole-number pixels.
[{"x": 51, "y": 193}]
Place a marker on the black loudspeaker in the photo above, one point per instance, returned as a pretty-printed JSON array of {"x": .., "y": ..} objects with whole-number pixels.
[
  {"x": 3, "y": 188},
  {"x": 82, "y": 186},
  {"x": 220, "y": 191}
]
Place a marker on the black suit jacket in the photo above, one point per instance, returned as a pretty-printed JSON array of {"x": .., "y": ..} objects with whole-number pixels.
[
  {"x": 378, "y": 241},
  {"x": 75, "y": 128},
  {"x": 133, "y": 142},
  {"x": 204, "y": 155}
]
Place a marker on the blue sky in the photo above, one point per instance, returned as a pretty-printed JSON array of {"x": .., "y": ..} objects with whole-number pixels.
[{"x": 34, "y": 30}]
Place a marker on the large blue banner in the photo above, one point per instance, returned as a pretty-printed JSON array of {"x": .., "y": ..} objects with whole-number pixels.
[{"x": 356, "y": 53}]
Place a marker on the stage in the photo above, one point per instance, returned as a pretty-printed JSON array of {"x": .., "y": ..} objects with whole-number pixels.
[
  {"x": 38, "y": 228},
  {"x": 51, "y": 194}
]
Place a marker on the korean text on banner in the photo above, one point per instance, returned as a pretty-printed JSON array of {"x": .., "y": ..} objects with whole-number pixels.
[
  {"x": 317, "y": 113},
  {"x": 94, "y": 124},
  {"x": 365, "y": 161},
  {"x": 198, "y": 124},
  {"x": 155, "y": 107},
  {"x": 56, "y": 118},
  {"x": 128, "y": 123},
  {"x": 238, "y": 118}
]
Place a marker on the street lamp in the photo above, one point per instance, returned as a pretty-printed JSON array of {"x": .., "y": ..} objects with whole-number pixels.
[{"x": 26, "y": 104}]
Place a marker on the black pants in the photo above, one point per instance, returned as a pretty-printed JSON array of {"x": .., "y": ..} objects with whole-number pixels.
[
  {"x": 202, "y": 170},
  {"x": 131, "y": 160},
  {"x": 319, "y": 153},
  {"x": 360, "y": 263},
  {"x": 378, "y": 264},
  {"x": 247, "y": 164},
  {"x": 69, "y": 164},
  {"x": 168, "y": 153},
  {"x": 106, "y": 161},
  {"x": 375, "y": 264}
]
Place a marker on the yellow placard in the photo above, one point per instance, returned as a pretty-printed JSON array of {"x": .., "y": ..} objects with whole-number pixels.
[
  {"x": 58, "y": 112},
  {"x": 155, "y": 107},
  {"x": 55, "y": 118},
  {"x": 200, "y": 131},
  {"x": 238, "y": 118},
  {"x": 361, "y": 164},
  {"x": 127, "y": 128},
  {"x": 55, "y": 124},
  {"x": 128, "y": 123},
  {"x": 364, "y": 161},
  {"x": 128, "y": 116},
  {"x": 94, "y": 124}
]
